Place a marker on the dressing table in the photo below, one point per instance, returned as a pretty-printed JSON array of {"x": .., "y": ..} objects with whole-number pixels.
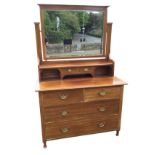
[{"x": 78, "y": 92}]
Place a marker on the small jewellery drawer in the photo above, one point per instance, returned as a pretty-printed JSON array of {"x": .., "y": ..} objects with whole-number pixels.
[
  {"x": 94, "y": 94},
  {"x": 52, "y": 98},
  {"x": 74, "y": 70},
  {"x": 80, "y": 127},
  {"x": 100, "y": 108}
]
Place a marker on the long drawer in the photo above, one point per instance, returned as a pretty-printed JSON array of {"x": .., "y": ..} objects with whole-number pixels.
[
  {"x": 62, "y": 97},
  {"x": 80, "y": 127},
  {"x": 101, "y": 108},
  {"x": 102, "y": 93}
]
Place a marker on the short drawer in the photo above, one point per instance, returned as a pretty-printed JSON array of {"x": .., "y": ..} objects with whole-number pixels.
[
  {"x": 53, "y": 98},
  {"x": 76, "y": 70},
  {"x": 95, "y": 94},
  {"x": 75, "y": 111},
  {"x": 80, "y": 127}
]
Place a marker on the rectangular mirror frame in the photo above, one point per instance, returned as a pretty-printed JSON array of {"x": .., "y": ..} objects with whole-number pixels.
[{"x": 72, "y": 7}]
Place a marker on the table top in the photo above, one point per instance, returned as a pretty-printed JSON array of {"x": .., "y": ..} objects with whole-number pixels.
[{"x": 79, "y": 83}]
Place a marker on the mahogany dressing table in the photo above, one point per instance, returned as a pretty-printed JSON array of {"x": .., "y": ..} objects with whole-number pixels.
[{"x": 78, "y": 92}]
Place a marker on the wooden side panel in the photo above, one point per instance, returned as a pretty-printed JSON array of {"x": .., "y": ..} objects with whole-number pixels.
[
  {"x": 120, "y": 106},
  {"x": 42, "y": 113}
]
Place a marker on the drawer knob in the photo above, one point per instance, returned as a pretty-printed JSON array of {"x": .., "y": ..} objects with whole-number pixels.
[
  {"x": 102, "y": 93},
  {"x": 64, "y": 113},
  {"x": 63, "y": 97},
  {"x": 101, "y": 125},
  {"x": 64, "y": 130},
  {"x": 102, "y": 109},
  {"x": 86, "y": 69},
  {"x": 69, "y": 70}
]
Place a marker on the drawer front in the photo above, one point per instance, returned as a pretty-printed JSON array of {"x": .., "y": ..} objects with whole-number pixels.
[
  {"x": 69, "y": 71},
  {"x": 54, "y": 98},
  {"x": 75, "y": 111},
  {"x": 79, "y": 70},
  {"x": 80, "y": 127},
  {"x": 94, "y": 94}
]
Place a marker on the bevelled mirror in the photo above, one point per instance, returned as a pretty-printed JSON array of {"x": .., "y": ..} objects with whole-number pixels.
[{"x": 73, "y": 32}]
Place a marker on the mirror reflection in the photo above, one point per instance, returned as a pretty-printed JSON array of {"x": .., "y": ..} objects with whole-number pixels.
[{"x": 73, "y": 33}]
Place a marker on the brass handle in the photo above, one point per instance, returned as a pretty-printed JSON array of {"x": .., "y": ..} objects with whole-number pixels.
[
  {"x": 101, "y": 125},
  {"x": 102, "y": 93},
  {"x": 64, "y": 113},
  {"x": 63, "y": 97},
  {"x": 102, "y": 109},
  {"x": 69, "y": 70},
  {"x": 64, "y": 130},
  {"x": 85, "y": 69}
]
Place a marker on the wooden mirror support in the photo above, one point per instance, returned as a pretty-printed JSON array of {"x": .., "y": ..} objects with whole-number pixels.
[
  {"x": 108, "y": 40},
  {"x": 38, "y": 43},
  {"x": 80, "y": 95}
]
